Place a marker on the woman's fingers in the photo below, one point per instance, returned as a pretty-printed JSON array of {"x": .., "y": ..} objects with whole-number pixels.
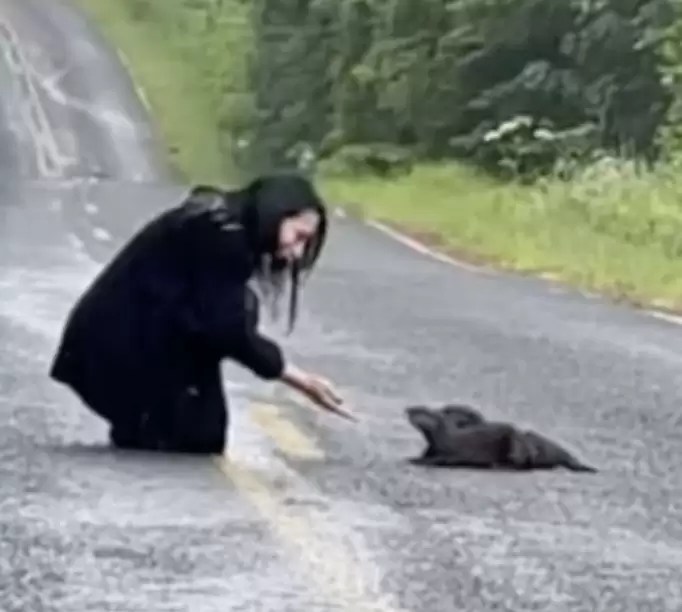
[
  {"x": 329, "y": 388},
  {"x": 338, "y": 409},
  {"x": 335, "y": 394},
  {"x": 329, "y": 400},
  {"x": 345, "y": 413}
]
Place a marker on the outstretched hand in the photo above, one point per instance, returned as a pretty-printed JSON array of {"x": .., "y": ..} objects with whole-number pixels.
[
  {"x": 319, "y": 390},
  {"x": 323, "y": 393}
]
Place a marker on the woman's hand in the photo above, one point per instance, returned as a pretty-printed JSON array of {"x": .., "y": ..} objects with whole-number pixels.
[{"x": 317, "y": 389}]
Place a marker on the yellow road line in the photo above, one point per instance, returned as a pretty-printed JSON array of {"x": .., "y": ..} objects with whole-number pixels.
[
  {"x": 331, "y": 565},
  {"x": 335, "y": 569},
  {"x": 289, "y": 438}
]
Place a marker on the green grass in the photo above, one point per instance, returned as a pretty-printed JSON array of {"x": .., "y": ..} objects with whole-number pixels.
[{"x": 613, "y": 230}]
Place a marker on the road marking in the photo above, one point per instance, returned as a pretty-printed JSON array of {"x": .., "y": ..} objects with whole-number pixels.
[
  {"x": 664, "y": 316},
  {"x": 112, "y": 116},
  {"x": 91, "y": 208},
  {"x": 288, "y": 438},
  {"x": 143, "y": 97},
  {"x": 417, "y": 246},
  {"x": 101, "y": 234},
  {"x": 76, "y": 242},
  {"x": 123, "y": 57},
  {"x": 323, "y": 535},
  {"x": 51, "y": 162},
  {"x": 140, "y": 91},
  {"x": 331, "y": 564}
]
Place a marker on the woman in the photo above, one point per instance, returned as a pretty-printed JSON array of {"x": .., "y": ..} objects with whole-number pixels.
[{"x": 142, "y": 347}]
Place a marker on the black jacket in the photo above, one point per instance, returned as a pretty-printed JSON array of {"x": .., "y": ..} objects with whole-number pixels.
[{"x": 150, "y": 332}]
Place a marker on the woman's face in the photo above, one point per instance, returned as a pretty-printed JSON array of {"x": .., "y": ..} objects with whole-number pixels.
[{"x": 295, "y": 232}]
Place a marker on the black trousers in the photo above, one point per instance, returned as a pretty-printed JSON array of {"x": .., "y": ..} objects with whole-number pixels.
[{"x": 196, "y": 423}]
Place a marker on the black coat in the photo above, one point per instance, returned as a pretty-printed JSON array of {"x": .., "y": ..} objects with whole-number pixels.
[{"x": 143, "y": 345}]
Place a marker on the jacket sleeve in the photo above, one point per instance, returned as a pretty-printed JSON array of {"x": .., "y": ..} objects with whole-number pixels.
[
  {"x": 221, "y": 313},
  {"x": 225, "y": 321},
  {"x": 254, "y": 350}
]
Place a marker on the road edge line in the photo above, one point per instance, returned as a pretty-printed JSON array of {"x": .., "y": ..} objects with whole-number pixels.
[{"x": 419, "y": 247}]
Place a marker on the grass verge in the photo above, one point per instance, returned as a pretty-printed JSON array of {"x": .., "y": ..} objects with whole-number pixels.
[
  {"x": 613, "y": 230},
  {"x": 179, "y": 58}
]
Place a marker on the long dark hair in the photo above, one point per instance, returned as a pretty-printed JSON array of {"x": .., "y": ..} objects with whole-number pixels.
[{"x": 266, "y": 202}]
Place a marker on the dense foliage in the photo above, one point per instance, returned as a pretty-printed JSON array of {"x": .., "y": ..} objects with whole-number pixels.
[{"x": 513, "y": 85}]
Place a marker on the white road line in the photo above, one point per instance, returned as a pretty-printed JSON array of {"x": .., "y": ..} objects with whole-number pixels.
[
  {"x": 91, "y": 208},
  {"x": 50, "y": 160},
  {"x": 143, "y": 97},
  {"x": 112, "y": 115},
  {"x": 79, "y": 249},
  {"x": 76, "y": 242},
  {"x": 140, "y": 92},
  {"x": 123, "y": 57},
  {"x": 101, "y": 234},
  {"x": 417, "y": 246},
  {"x": 665, "y": 316},
  {"x": 424, "y": 250}
]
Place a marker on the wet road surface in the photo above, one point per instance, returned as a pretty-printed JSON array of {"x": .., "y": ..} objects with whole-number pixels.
[{"x": 310, "y": 512}]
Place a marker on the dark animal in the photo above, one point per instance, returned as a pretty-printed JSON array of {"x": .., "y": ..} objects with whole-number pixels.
[
  {"x": 457, "y": 415},
  {"x": 455, "y": 438},
  {"x": 459, "y": 436}
]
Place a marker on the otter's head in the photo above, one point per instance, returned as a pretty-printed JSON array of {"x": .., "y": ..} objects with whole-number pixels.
[
  {"x": 426, "y": 420},
  {"x": 460, "y": 415}
]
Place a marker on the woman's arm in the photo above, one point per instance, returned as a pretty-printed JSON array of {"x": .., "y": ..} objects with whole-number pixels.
[
  {"x": 221, "y": 311},
  {"x": 258, "y": 353},
  {"x": 233, "y": 333},
  {"x": 223, "y": 315},
  {"x": 315, "y": 388},
  {"x": 224, "y": 320}
]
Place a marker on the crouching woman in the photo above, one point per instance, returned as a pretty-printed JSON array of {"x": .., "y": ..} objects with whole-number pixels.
[{"x": 142, "y": 347}]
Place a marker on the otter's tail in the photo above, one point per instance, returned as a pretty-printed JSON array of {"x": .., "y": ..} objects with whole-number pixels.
[{"x": 575, "y": 465}]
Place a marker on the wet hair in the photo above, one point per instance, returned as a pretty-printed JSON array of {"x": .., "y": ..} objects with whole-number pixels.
[{"x": 266, "y": 203}]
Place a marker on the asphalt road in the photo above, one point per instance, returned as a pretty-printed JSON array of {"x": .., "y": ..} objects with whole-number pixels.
[{"x": 311, "y": 513}]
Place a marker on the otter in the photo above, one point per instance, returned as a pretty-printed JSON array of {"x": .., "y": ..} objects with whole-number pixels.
[
  {"x": 458, "y": 435},
  {"x": 454, "y": 438}
]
